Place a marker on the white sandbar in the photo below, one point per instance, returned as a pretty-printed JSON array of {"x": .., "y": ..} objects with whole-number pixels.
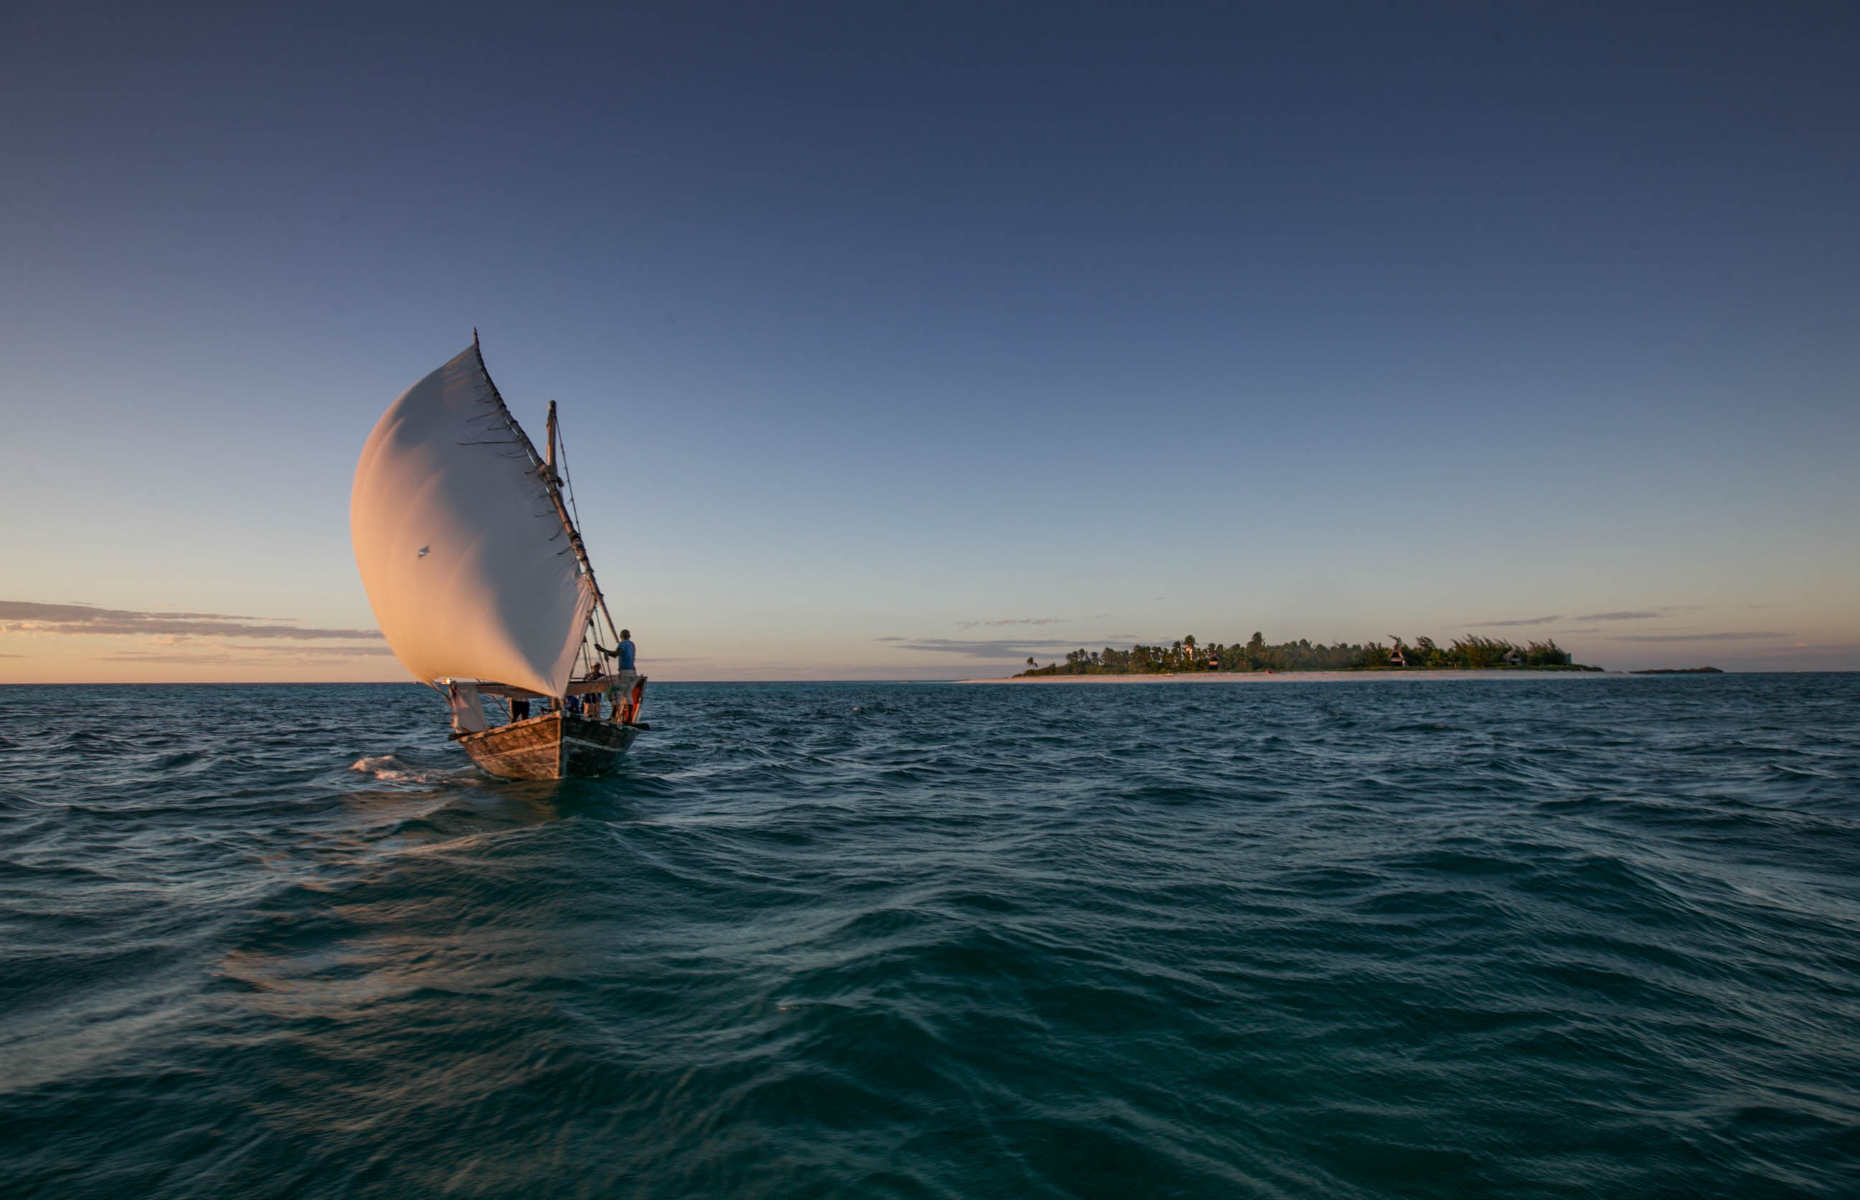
[{"x": 1297, "y": 676}]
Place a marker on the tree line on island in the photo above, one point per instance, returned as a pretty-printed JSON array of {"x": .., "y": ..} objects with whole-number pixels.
[{"x": 1469, "y": 653}]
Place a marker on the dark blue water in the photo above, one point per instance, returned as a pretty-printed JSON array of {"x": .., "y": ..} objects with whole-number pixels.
[{"x": 1544, "y": 937}]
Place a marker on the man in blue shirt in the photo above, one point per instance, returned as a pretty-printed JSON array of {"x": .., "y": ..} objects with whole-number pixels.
[
  {"x": 624, "y": 651},
  {"x": 626, "y": 701}
]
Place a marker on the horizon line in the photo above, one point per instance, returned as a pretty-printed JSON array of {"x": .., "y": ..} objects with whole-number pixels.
[{"x": 924, "y": 679}]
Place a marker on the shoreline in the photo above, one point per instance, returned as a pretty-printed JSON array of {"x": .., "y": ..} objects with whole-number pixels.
[{"x": 1298, "y": 676}]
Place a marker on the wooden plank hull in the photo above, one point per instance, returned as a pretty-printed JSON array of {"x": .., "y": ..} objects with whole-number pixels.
[{"x": 553, "y": 746}]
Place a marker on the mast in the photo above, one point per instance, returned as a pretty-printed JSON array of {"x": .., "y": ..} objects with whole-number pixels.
[{"x": 545, "y": 467}]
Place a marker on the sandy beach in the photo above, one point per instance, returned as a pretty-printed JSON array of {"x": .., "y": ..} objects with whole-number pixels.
[{"x": 1301, "y": 676}]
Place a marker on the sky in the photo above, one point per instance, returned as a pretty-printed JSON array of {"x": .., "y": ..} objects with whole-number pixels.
[{"x": 908, "y": 341}]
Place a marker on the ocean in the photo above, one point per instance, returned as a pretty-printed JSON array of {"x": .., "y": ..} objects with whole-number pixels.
[{"x": 1557, "y": 936}]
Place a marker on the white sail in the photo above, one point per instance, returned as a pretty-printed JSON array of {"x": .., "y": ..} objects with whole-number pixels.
[{"x": 466, "y": 561}]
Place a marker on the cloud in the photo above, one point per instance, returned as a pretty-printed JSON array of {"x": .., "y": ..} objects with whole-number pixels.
[
  {"x": 1619, "y": 615},
  {"x": 985, "y": 647},
  {"x": 1740, "y": 636},
  {"x": 1849, "y": 650},
  {"x": 246, "y": 654},
  {"x": 999, "y": 621},
  {"x": 168, "y": 658},
  {"x": 23, "y": 616}
]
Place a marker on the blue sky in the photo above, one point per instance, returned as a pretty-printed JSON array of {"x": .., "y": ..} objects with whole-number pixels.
[{"x": 909, "y": 340}]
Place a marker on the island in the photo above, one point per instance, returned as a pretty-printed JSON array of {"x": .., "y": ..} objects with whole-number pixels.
[{"x": 1469, "y": 653}]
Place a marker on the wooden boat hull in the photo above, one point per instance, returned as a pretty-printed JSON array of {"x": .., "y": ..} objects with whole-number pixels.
[{"x": 553, "y": 746}]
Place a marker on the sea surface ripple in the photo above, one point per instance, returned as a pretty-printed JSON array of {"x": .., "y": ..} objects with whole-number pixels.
[{"x": 1555, "y": 936}]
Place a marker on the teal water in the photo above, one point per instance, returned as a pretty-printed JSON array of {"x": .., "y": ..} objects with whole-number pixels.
[{"x": 1546, "y": 937}]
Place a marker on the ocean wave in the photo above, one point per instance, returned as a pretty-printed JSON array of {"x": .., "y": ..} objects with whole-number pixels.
[
  {"x": 1553, "y": 938},
  {"x": 391, "y": 768}
]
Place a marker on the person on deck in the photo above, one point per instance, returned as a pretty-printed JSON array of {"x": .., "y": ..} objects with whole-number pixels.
[
  {"x": 628, "y": 677},
  {"x": 591, "y": 701}
]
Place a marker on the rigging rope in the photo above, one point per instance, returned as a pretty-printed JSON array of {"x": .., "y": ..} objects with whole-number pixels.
[
  {"x": 568, "y": 478},
  {"x": 589, "y": 652}
]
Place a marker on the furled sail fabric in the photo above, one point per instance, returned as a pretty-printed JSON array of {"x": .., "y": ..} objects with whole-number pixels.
[{"x": 466, "y": 562}]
